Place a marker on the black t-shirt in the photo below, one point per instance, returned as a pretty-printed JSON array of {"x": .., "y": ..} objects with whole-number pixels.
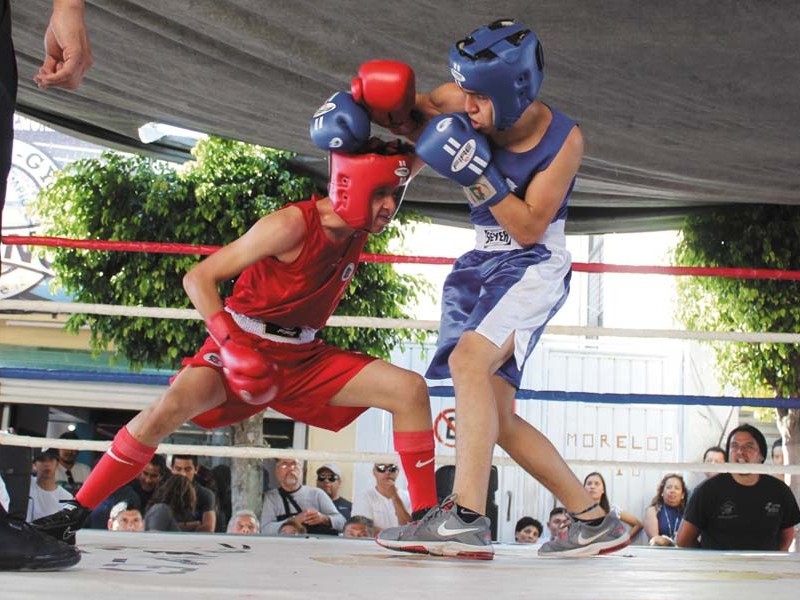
[{"x": 731, "y": 516}]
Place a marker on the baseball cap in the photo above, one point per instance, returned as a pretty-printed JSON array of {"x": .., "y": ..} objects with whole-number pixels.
[
  {"x": 45, "y": 453},
  {"x": 121, "y": 507},
  {"x": 332, "y": 468}
]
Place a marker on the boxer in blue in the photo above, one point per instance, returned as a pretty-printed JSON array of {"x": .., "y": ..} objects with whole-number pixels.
[{"x": 516, "y": 159}]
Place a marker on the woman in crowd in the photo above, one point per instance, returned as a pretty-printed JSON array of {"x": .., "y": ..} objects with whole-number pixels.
[
  {"x": 596, "y": 486},
  {"x": 665, "y": 513},
  {"x": 171, "y": 502}
]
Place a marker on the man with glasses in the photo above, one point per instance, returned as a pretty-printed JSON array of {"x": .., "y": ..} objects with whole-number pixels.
[
  {"x": 385, "y": 504},
  {"x": 741, "y": 511},
  {"x": 329, "y": 480},
  {"x": 291, "y": 499}
]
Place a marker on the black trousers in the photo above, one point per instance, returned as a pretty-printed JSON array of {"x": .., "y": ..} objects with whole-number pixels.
[
  {"x": 15, "y": 463},
  {"x": 8, "y": 96}
]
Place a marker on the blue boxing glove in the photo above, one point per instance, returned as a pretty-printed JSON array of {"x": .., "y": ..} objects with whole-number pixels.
[
  {"x": 452, "y": 148},
  {"x": 340, "y": 124}
]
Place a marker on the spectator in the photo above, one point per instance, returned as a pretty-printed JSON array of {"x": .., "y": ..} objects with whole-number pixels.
[
  {"x": 292, "y": 527},
  {"x": 386, "y": 505},
  {"x": 741, "y": 511},
  {"x": 136, "y": 494},
  {"x": 311, "y": 506},
  {"x": 777, "y": 452},
  {"x": 715, "y": 454},
  {"x": 777, "y": 456},
  {"x": 70, "y": 473},
  {"x": 204, "y": 518},
  {"x": 244, "y": 522},
  {"x": 558, "y": 521},
  {"x": 596, "y": 487},
  {"x": 222, "y": 481},
  {"x": 172, "y": 502},
  {"x": 665, "y": 513},
  {"x": 146, "y": 483},
  {"x": 125, "y": 518},
  {"x": 359, "y": 526},
  {"x": 205, "y": 477},
  {"x": 527, "y": 531},
  {"x": 329, "y": 480},
  {"x": 46, "y": 495}
]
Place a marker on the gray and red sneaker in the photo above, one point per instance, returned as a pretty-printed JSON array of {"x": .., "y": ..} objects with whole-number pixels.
[
  {"x": 582, "y": 539},
  {"x": 442, "y": 533}
]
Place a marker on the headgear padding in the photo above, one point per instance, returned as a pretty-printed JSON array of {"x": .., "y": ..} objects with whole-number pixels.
[
  {"x": 504, "y": 61},
  {"x": 355, "y": 177}
]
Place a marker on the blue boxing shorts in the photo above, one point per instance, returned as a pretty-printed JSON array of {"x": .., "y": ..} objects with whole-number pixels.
[{"x": 498, "y": 292}]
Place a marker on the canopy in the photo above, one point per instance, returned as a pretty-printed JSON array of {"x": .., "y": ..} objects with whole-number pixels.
[{"x": 684, "y": 105}]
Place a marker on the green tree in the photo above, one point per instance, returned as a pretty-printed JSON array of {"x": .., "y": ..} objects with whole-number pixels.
[
  {"x": 211, "y": 200},
  {"x": 754, "y": 236}
]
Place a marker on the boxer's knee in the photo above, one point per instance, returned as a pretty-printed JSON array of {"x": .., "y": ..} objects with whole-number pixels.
[
  {"x": 467, "y": 359},
  {"x": 417, "y": 392},
  {"x": 409, "y": 394},
  {"x": 475, "y": 356}
]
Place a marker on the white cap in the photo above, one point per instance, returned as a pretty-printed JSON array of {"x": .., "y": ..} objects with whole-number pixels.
[{"x": 332, "y": 468}]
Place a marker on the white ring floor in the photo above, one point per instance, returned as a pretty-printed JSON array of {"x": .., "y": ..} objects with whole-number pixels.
[{"x": 121, "y": 565}]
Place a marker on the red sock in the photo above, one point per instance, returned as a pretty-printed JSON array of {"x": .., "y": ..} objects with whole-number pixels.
[
  {"x": 416, "y": 454},
  {"x": 121, "y": 463}
]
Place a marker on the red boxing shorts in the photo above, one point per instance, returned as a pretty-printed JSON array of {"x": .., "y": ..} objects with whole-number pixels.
[{"x": 311, "y": 374}]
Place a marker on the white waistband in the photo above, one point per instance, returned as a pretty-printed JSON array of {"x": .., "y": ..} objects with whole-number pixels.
[
  {"x": 496, "y": 239},
  {"x": 258, "y": 327}
]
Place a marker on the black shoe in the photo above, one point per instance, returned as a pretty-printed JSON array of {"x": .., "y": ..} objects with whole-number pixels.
[
  {"x": 63, "y": 524},
  {"x": 23, "y": 548}
]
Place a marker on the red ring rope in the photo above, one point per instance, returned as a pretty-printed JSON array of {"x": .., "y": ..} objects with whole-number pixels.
[{"x": 175, "y": 248}]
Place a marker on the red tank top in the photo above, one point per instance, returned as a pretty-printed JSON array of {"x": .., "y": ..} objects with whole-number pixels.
[{"x": 303, "y": 293}]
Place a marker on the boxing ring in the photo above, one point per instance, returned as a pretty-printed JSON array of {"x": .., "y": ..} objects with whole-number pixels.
[
  {"x": 228, "y": 566},
  {"x": 197, "y": 566}
]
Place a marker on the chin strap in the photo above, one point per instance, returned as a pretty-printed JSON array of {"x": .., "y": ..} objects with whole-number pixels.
[{"x": 574, "y": 516}]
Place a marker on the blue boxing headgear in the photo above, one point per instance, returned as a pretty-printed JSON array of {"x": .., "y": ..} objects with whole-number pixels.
[{"x": 504, "y": 61}]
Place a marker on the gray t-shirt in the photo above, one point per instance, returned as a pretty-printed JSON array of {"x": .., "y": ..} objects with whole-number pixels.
[{"x": 274, "y": 511}]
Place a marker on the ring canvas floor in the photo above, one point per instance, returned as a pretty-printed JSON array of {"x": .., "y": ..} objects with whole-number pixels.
[{"x": 121, "y": 565}]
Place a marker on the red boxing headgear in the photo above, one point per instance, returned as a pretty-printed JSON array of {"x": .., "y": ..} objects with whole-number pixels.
[{"x": 355, "y": 177}]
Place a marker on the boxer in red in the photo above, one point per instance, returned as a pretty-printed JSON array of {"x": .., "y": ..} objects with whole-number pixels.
[{"x": 292, "y": 268}]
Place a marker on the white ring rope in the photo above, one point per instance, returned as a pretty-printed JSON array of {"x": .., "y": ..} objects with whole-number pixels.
[
  {"x": 46, "y": 307},
  {"x": 376, "y": 457}
]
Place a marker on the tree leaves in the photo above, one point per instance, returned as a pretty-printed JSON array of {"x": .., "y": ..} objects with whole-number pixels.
[{"x": 752, "y": 236}]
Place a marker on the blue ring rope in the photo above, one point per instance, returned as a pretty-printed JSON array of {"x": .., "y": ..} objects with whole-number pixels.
[{"x": 435, "y": 391}]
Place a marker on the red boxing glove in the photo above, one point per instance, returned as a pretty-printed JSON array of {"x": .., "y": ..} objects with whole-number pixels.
[
  {"x": 388, "y": 89},
  {"x": 251, "y": 375}
]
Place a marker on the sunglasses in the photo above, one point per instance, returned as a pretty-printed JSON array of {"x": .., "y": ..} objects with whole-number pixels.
[
  {"x": 331, "y": 478},
  {"x": 384, "y": 468}
]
